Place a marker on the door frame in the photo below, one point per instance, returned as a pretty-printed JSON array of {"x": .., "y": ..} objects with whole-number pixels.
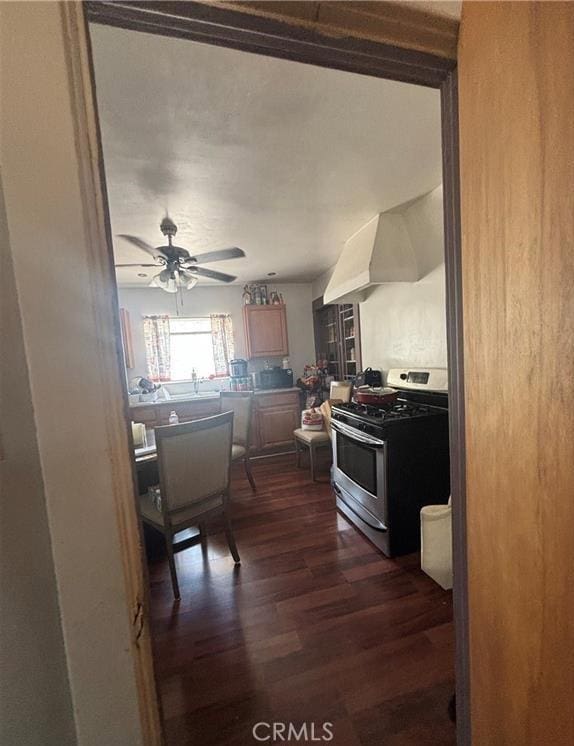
[{"x": 301, "y": 42}]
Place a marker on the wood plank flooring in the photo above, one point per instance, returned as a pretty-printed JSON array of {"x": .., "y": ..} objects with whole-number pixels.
[{"x": 315, "y": 625}]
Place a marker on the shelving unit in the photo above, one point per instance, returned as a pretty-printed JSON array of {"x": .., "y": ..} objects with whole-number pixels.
[{"x": 337, "y": 338}]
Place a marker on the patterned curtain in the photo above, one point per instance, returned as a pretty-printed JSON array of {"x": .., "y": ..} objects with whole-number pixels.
[
  {"x": 222, "y": 338},
  {"x": 157, "y": 348}
]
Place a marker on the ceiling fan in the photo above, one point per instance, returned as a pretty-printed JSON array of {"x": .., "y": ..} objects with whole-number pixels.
[{"x": 180, "y": 268}]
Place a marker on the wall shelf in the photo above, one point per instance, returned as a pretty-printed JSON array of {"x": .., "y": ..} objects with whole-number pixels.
[{"x": 340, "y": 320}]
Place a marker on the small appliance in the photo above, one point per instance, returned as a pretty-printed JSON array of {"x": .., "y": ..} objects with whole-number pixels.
[
  {"x": 238, "y": 368},
  {"x": 275, "y": 378},
  {"x": 239, "y": 379}
]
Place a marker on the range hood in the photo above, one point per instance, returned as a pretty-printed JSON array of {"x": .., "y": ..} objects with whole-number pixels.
[{"x": 380, "y": 251}]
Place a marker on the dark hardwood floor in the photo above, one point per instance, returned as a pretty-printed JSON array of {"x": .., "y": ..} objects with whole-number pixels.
[{"x": 315, "y": 625}]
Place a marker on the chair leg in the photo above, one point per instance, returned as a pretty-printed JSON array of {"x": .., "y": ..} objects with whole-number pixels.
[
  {"x": 172, "y": 568},
  {"x": 247, "y": 463},
  {"x": 231, "y": 539},
  {"x": 312, "y": 462},
  {"x": 297, "y": 454}
]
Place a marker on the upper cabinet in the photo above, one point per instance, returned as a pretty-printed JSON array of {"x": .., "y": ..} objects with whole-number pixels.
[{"x": 265, "y": 331}]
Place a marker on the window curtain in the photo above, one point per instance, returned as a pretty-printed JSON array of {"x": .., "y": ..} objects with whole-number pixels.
[
  {"x": 222, "y": 339},
  {"x": 157, "y": 347}
]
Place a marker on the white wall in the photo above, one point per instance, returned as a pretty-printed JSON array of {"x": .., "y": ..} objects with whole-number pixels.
[
  {"x": 404, "y": 323},
  {"x": 75, "y": 393},
  {"x": 320, "y": 283},
  {"x": 201, "y": 301},
  {"x": 35, "y": 703}
]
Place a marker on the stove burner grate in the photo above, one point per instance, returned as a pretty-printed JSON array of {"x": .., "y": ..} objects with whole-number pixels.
[{"x": 400, "y": 409}]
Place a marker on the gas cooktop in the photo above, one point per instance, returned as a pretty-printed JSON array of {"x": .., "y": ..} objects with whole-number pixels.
[{"x": 400, "y": 409}]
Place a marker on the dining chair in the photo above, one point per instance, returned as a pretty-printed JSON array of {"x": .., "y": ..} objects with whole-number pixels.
[
  {"x": 194, "y": 465},
  {"x": 241, "y": 404}
]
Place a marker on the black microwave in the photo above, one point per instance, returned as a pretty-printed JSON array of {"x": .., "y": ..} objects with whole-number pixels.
[{"x": 275, "y": 378}]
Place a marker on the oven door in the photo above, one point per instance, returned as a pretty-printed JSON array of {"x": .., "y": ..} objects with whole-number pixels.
[{"x": 360, "y": 473}]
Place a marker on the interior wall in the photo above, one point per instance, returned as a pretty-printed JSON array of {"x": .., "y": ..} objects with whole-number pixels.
[
  {"x": 516, "y": 83},
  {"x": 35, "y": 703},
  {"x": 64, "y": 293},
  {"x": 320, "y": 283},
  {"x": 404, "y": 323},
  {"x": 201, "y": 301}
]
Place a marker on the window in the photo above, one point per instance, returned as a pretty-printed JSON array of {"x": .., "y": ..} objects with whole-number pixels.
[
  {"x": 175, "y": 347},
  {"x": 191, "y": 347}
]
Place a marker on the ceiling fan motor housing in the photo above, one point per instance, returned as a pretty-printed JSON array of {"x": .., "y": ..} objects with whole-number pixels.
[{"x": 168, "y": 227}]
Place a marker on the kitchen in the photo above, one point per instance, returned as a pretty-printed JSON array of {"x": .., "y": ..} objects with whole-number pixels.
[{"x": 359, "y": 253}]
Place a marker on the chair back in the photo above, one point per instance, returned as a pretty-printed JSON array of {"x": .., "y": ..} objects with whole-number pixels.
[
  {"x": 241, "y": 404},
  {"x": 341, "y": 390},
  {"x": 194, "y": 461}
]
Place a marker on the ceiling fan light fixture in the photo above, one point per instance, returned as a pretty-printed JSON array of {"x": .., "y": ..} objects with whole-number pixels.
[
  {"x": 173, "y": 280},
  {"x": 165, "y": 280},
  {"x": 188, "y": 281}
]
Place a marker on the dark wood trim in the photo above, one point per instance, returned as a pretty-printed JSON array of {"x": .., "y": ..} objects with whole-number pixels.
[
  {"x": 318, "y": 303},
  {"x": 237, "y": 30},
  {"x": 451, "y": 193}
]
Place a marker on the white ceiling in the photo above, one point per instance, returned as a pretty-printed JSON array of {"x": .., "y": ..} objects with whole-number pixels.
[{"x": 282, "y": 159}]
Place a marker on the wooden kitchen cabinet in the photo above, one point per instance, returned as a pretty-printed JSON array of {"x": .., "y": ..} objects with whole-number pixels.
[
  {"x": 276, "y": 426},
  {"x": 157, "y": 414},
  {"x": 265, "y": 331},
  {"x": 276, "y": 415}
]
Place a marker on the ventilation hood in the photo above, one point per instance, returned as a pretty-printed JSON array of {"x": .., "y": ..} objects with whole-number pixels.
[{"x": 380, "y": 251}]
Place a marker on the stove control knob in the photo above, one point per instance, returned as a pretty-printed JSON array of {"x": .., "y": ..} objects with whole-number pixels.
[{"x": 403, "y": 376}]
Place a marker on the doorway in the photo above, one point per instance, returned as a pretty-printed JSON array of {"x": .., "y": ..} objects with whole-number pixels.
[{"x": 207, "y": 25}]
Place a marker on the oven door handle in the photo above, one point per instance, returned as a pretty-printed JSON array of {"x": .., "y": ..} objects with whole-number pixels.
[{"x": 354, "y": 434}]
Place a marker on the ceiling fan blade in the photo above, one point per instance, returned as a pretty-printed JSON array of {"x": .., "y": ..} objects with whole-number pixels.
[
  {"x": 141, "y": 244},
  {"x": 217, "y": 256},
  {"x": 202, "y": 272},
  {"x": 137, "y": 265}
]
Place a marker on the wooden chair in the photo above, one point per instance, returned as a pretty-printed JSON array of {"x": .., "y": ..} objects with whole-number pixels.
[
  {"x": 241, "y": 404},
  {"x": 194, "y": 463},
  {"x": 311, "y": 439}
]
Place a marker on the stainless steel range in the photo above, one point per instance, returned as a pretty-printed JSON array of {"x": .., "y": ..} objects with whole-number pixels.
[{"x": 390, "y": 461}]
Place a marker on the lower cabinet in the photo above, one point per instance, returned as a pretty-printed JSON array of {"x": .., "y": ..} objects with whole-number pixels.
[
  {"x": 276, "y": 427},
  {"x": 158, "y": 414},
  {"x": 275, "y": 418}
]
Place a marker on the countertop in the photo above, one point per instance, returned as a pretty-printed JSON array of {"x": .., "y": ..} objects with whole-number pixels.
[{"x": 206, "y": 396}]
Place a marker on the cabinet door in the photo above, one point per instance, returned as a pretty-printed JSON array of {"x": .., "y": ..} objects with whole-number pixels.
[
  {"x": 276, "y": 425},
  {"x": 149, "y": 416},
  {"x": 187, "y": 411},
  {"x": 266, "y": 331}
]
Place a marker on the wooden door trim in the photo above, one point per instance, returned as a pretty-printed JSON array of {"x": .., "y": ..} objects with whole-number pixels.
[
  {"x": 237, "y": 29},
  {"x": 453, "y": 271},
  {"x": 104, "y": 296},
  {"x": 213, "y": 24}
]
